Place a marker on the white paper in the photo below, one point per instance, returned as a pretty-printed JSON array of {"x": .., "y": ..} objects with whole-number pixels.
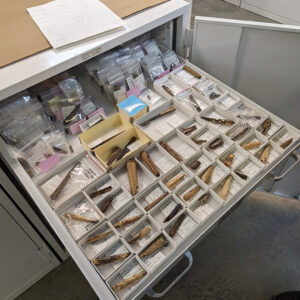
[
  {"x": 186, "y": 227},
  {"x": 68, "y": 21}
]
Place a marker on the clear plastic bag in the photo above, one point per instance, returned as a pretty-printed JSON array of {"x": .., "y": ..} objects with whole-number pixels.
[
  {"x": 189, "y": 99},
  {"x": 151, "y": 48},
  {"x": 137, "y": 52},
  {"x": 153, "y": 66},
  {"x": 117, "y": 87},
  {"x": 169, "y": 86},
  {"x": 190, "y": 79},
  {"x": 170, "y": 59},
  {"x": 72, "y": 89},
  {"x": 150, "y": 96}
]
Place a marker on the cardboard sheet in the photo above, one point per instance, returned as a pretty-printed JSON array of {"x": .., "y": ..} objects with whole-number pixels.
[{"x": 20, "y": 37}]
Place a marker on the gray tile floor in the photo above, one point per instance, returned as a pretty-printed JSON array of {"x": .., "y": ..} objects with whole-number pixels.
[{"x": 253, "y": 254}]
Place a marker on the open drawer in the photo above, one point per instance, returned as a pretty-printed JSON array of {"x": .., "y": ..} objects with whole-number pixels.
[{"x": 161, "y": 218}]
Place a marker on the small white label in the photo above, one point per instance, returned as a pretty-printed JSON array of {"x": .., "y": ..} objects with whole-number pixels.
[
  {"x": 207, "y": 209},
  {"x": 141, "y": 242},
  {"x": 185, "y": 150},
  {"x": 164, "y": 128},
  {"x": 153, "y": 195},
  {"x": 186, "y": 226},
  {"x": 167, "y": 207},
  {"x": 164, "y": 164},
  {"x": 135, "y": 145},
  {"x": 187, "y": 77},
  {"x": 154, "y": 259},
  {"x": 95, "y": 143},
  {"x": 130, "y": 270},
  {"x": 234, "y": 187},
  {"x": 284, "y": 137},
  {"x": 103, "y": 243},
  {"x": 88, "y": 108},
  {"x": 94, "y": 120},
  {"x": 50, "y": 186},
  {"x": 139, "y": 81},
  {"x": 175, "y": 121},
  {"x": 250, "y": 169},
  {"x": 227, "y": 102},
  {"x": 217, "y": 174},
  {"x": 120, "y": 200}
]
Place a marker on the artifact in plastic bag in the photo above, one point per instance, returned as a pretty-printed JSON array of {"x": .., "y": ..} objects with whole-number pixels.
[
  {"x": 169, "y": 86},
  {"x": 99, "y": 237},
  {"x": 225, "y": 189},
  {"x": 217, "y": 143},
  {"x": 151, "y": 48},
  {"x": 153, "y": 66},
  {"x": 192, "y": 72},
  {"x": 100, "y": 261},
  {"x": 173, "y": 213},
  {"x": 156, "y": 201},
  {"x": 239, "y": 133},
  {"x": 72, "y": 89},
  {"x": 157, "y": 244},
  {"x": 57, "y": 141},
  {"x": 129, "y": 281},
  {"x": 63, "y": 183},
  {"x": 246, "y": 114},
  {"x": 219, "y": 121},
  {"x": 132, "y": 176},
  {"x": 175, "y": 181},
  {"x": 170, "y": 59},
  {"x": 171, "y": 151},
  {"x": 140, "y": 235},
  {"x": 150, "y": 96},
  {"x": 167, "y": 111},
  {"x": 100, "y": 192},
  {"x": 117, "y": 86},
  {"x": 76, "y": 217},
  {"x": 176, "y": 225},
  {"x": 149, "y": 163}
]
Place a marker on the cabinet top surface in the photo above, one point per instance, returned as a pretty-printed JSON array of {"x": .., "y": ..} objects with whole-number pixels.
[{"x": 29, "y": 71}]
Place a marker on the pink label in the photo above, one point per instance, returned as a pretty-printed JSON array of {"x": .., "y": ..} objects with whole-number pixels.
[
  {"x": 75, "y": 128},
  {"x": 134, "y": 91},
  {"x": 49, "y": 163},
  {"x": 163, "y": 74},
  {"x": 59, "y": 116},
  {"x": 99, "y": 110}
]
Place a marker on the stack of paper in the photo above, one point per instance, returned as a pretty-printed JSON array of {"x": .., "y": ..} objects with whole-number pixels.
[{"x": 65, "y": 22}]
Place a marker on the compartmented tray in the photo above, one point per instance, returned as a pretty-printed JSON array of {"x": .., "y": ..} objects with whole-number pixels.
[
  {"x": 228, "y": 100},
  {"x": 159, "y": 127},
  {"x": 68, "y": 179},
  {"x": 103, "y": 131},
  {"x": 285, "y": 137},
  {"x": 104, "y": 152}
]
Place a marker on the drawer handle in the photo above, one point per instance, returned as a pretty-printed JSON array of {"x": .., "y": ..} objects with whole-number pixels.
[
  {"x": 295, "y": 155},
  {"x": 150, "y": 292}
]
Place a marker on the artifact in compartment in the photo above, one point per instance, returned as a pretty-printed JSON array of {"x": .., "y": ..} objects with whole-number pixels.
[
  {"x": 191, "y": 193},
  {"x": 225, "y": 189},
  {"x": 104, "y": 207},
  {"x": 194, "y": 164},
  {"x": 206, "y": 176},
  {"x": 99, "y": 237},
  {"x": 175, "y": 181},
  {"x": 203, "y": 199},
  {"x": 219, "y": 121},
  {"x": 198, "y": 141},
  {"x": 157, "y": 244},
  {"x": 80, "y": 218},
  {"x": 127, "y": 221},
  {"x": 228, "y": 160},
  {"x": 189, "y": 130},
  {"x": 149, "y": 163},
  {"x": 100, "y": 192},
  {"x": 176, "y": 226},
  {"x": 63, "y": 183},
  {"x": 171, "y": 151},
  {"x": 214, "y": 96},
  {"x": 240, "y": 134},
  {"x": 173, "y": 213},
  {"x": 140, "y": 235},
  {"x": 286, "y": 143},
  {"x": 168, "y": 90},
  {"x": 248, "y": 116},
  {"x": 156, "y": 201},
  {"x": 59, "y": 150},
  {"x": 100, "y": 261},
  {"x": 129, "y": 281},
  {"x": 217, "y": 143},
  {"x": 265, "y": 154},
  {"x": 241, "y": 175},
  {"x": 116, "y": 150},
  {"x": 71, "y": 115},
  {"x": 191, "y": 71},
  {"x": 251, "y": 145},
  {"x": 194, "y": 102},
  {"x": 266, "y": 126},
  {"x": 161, "y": 114},
  {"x": 94, "y": 145},
  {"x": 132, "y": 176},
  {"x": 126, "y": 149}
]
